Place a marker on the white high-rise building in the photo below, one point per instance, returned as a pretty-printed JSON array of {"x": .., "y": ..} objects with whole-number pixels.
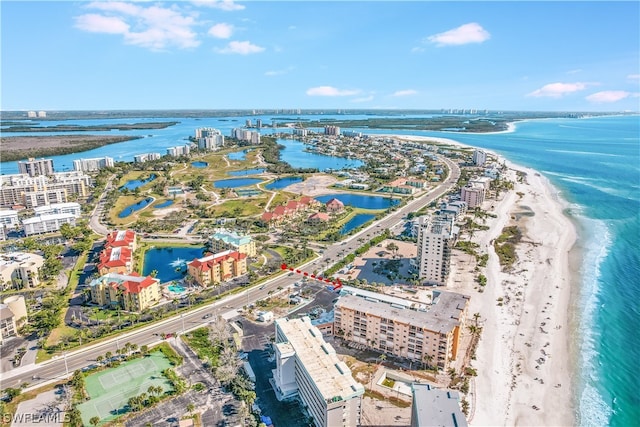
[
  {"x": 59, "y": 208},
  {"x": 180, "y": 150},
  {"x": 35, "y": 167},
  {"x": 473, "y": 194},
  {"x": 308, "y": 367},
  {"x": 479, "y": 157},
  {"x": 209, "y": 139},
  {"x": 141, "y": 158},
  {"x": 91, "y": 165},
  {"x": 436, "y": 238}
]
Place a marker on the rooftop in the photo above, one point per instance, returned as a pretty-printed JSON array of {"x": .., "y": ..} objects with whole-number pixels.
[
  {"x": 330, "y": 375},
  {"x": 435, "y": 407}
]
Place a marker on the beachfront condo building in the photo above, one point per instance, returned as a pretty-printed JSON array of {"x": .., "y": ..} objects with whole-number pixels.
[
  {"x": 8, "y": 219},
  {"x": 473, "y": 194},
  {"x": 217, "y": 268},
  {"x": 35, "y": 167},
  {"x": 130, "y": 292},
  {"x": 47, "y": 223},
  {"x": 20, "y": 270},
  {"x": 209, "y": 139},
  {"x": 222, "y": 240},
  {"x": 179, "y": 150},
  {"x": 332, "y": 130},
  {"x": 436, "y": 237},
  {"x": 141, "y": 158},
  {"x": 479, "y": 157},
  {"x": 72, "y": 208},
  {"x": 28, "y": 191},
  {"x": 424, "y": 333},
  {"x": 436, "y": 407},
  {"x": 246, "y": 135},
  {"x": 92, "y": 165},
  {"x": 309, "y": 368}
]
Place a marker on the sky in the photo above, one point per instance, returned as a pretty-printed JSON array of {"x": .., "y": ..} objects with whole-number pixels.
[{"x": 212, "y": 54}]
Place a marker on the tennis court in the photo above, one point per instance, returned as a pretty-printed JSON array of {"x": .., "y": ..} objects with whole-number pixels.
[{"x": 110, "y": 390}]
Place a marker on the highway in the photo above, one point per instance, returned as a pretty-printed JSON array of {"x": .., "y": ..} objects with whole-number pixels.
[{"x": 61, "y": 366}]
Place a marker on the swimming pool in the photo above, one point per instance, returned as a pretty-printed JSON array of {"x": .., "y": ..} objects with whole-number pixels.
[{"x": 177, "y": 289}]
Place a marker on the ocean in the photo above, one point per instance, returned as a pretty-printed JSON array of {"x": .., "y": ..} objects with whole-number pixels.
[{"x": 595, "y": 164}]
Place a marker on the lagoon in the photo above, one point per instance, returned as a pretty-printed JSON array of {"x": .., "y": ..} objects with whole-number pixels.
[
  {"x": 238, "y": 155},
  {"x": 135, "y": 207},
  {"x": 356, "y": 222},
  {"x": 294, "y": 153},
  {"x": 170, "y": 262},
  {"x": 164, "y": 204},
  {"x": 132, "y": 184},
  {"x": 360, "y": 200},
  {"x": 235, "y": 182},
  {"x": 281, "y": 183},
  {"x": 199, "y": 164}
]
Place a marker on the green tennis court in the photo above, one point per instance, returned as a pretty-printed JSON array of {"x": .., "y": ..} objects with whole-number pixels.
[{"x": 110, "y": 390}]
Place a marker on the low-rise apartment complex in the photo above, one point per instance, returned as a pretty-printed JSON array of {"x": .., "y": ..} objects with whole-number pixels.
[
  {"x": 20, "y": 270},
  {"x": 131, "y": 292},
  {"x": 47, "y": 223},
  {"x": 222, "y": 240},
  {"x": 308, "y": 367},
  {"x": 435, "y": 407},
  {"x": 424, "y": 333},
  {"x": 217, "y": 268}
]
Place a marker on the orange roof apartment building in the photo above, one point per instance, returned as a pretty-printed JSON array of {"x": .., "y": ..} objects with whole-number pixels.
[{"x": 217, "y": 268}]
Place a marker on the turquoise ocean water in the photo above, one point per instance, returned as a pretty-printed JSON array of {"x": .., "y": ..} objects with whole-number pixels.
[{"x": 595, "y": 163}]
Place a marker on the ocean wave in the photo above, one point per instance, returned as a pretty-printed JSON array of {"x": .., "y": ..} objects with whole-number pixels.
[
  {"x": 593, "y": 409},
  {"x": 625, "y": 193},
  {"x": 589, "y": 153}
]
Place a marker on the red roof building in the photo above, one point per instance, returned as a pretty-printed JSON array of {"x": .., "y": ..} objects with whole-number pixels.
[
  {"x": 131, "y": 292},
  {"x": 318, "y": 218},
  {"x": 120, "y": 238},
  {"x": 217, "y": 268},
  {"x": 334, "y": 205},
  {"x": 116, "y": 260}
]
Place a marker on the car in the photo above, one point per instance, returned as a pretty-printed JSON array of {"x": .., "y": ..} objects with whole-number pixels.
[
  {"x": 290, "y": 274},
  {"x": 206, "y": 316},
  {"x": 261, "y": 287}
]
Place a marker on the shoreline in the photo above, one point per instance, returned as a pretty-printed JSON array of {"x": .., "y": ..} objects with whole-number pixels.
[{"x": 526, "y": 355}]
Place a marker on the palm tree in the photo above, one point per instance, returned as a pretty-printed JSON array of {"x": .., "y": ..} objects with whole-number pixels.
[
  {"x": 94, "y": 421},
  {"x": 427, "y": 358},
  {"x": 476, "y": 316}
]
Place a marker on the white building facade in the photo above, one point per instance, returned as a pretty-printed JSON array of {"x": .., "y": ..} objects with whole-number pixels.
[
  {"x": 47, "y": 223},
  {"x": 308, "y": 367},
  {"x": 92, "y": 165},
  {"x": 436, "y": 238}
]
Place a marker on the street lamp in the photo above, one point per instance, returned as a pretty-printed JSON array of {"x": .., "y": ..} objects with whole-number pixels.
[{"x": 66, "y": 366}]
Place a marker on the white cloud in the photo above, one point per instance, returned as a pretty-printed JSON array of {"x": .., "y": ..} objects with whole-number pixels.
[
  {"x": 153, "y": 27},
  {"x": 226, "y": 5},
  {"x": 633, "y": 76},
  {"x": 557, "y": 90},
  {"x": 241, "y": 48},
  {"x": 221, "y": 31},
  {"x": 94, "y": 23},
  {"x": 576, "y": 71},
  {"x": 406, "y": 92},
  {"x": 271, "y": 73},
  {"x": 363, "y": 99},
  {"x": 330, "y": 91},
  {"x": 607, "y": 96},
  {"x": 464, "y": 34}
]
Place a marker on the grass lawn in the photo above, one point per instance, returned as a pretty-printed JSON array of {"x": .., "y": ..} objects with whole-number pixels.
[{"x": 240, "y": 207}]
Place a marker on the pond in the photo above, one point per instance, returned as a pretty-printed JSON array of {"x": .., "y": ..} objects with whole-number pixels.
[
  {"x": 356, "y": 222},
  {"x": 132, "y": 184},
  {"x": 135, "y": 207},
  {"x": 164, "y": 204},
  {"x": 235, "y": 182},
  {"x": 238, "y": 155},
  {"x": 199, "y": 164},
  {"x": 170, "y": 262},
  {"x": 246, "y": 172},
  {"x": 360, "y": 200},
  {"x": 281, "y": 183}
]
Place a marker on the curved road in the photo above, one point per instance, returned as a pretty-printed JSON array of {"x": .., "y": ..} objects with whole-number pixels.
[{"x": 61, "y": 366}]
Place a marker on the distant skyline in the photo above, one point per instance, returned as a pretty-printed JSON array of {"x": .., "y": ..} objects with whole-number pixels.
[{"x": 534, "y": 56}]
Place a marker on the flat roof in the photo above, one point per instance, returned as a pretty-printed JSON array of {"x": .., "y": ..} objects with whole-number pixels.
[
  {"x": 441, "y": 316},
  {"x": 433, "y": 407},
  {"x": 331, "y": 376}
]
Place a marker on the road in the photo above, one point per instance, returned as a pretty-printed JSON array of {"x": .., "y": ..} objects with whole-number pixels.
[
  {"x": 65, "y": 364},
  {"x": 94, "y": 220}
]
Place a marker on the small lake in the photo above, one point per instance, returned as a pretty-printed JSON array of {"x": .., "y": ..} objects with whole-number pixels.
[
  {"x": 238, "y": 155},
  {"x": 135, "y": 207},
  {"x": 294, "y": 153},
  {"x": 235, "y": 182},
  {"x": 246, "y": 172},
  {"x": 170, "y": 262},
  {"x": 132, "y": 184},
  {"x": 356, "y": 222},
  {"x": 199, "y": 164},
  {"x": 281, "y": 183},
  {"x": 164, "y": 204},
  {"x": 360, "y": 200}
]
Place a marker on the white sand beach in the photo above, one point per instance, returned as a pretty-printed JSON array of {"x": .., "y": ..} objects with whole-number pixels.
[{"x": 523, "y": 359}]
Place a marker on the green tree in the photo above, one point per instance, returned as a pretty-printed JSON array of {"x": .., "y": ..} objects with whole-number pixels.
[{"x": 94, "y": 421}]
